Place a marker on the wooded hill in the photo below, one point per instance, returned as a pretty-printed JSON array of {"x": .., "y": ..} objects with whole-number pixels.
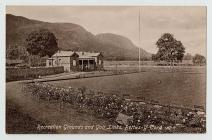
[{"x": 73, "y": 37}]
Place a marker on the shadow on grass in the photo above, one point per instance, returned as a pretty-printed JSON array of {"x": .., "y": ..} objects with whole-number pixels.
[{"x": 19, "y": 123}]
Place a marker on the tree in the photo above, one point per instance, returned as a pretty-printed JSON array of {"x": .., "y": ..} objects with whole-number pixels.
[
  {"x": 199, "y": 59},
  {"x": 154, "y": 57},
  {"x": 12, "y": 53},
  {"x": 42, "y": 43},
  {"x": 170, "y": 49}
]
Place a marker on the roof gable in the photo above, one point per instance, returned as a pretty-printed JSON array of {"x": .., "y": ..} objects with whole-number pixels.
[
  {"x": 79, "y": 54},
  {"x": 64, "y": 54},
  {"x": 89, "y": 54}
]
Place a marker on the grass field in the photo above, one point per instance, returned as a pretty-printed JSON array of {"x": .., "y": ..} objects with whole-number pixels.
[
  {"x": 143, "y": 63},
  {"x": 151, "y": 66},
  {"x": 175, "y": 88}
]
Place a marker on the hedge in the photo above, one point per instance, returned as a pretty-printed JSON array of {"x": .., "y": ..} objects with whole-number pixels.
[
  {"x": 149, "y": 118},
  {"x": 15, "y": 74}
]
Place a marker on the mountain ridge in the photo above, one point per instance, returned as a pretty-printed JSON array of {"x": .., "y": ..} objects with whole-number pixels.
[{"x": 74, "y": 37}]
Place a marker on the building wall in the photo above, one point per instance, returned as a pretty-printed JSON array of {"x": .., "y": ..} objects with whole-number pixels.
[
  {"x": 67, "y": 63},
  {"x": 63, "y": 61},
  {"x": 72, "y": 67},
  {"x": 48, "y": 62},
  {"x": 99, "y": 63}
]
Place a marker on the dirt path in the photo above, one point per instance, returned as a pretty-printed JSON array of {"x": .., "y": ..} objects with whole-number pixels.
[
  {"x": 65, "y": 76},
  {"x": 47, "y": 113}
]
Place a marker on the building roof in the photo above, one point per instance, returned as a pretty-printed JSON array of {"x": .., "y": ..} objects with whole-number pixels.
[
  {"x": 86, "y": 57},
  {"x": 63, "y": 53},
  {"x": 89, "y": 54},
  {"x": 81, "y": 54}
]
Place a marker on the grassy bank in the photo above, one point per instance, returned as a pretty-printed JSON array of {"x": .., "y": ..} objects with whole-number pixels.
[
  {"x": 25, "y": 113},
  {"x": 18, "y": 122}
]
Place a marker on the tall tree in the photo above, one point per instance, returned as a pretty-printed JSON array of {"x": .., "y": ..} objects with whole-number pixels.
[
  {"x": 42, "y": 43},
  {"x": 12, "y": 53},
  {"x": 169, "y": 49},
  {"x": 199, "y": 59}
]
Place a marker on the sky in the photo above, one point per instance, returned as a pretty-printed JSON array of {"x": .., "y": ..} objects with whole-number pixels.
[{"x": 187, "y": 24}]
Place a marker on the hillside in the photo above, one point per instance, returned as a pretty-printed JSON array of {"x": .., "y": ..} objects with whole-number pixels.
[
  {"x": 72, "y": 37},
  {"x": 122, "y": 45}
]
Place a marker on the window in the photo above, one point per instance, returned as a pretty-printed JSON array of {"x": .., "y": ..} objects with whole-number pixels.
[
  {"x": 74, "y": 63},
  {"x": 50, "y": 63},
  {"x": 100, "y": 62}
]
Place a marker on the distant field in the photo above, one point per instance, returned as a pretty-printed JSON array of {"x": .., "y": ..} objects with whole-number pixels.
[
  {"x": 135, "y": 63},
  {"x": 176, "y": 88},
  {"x": 127, "y": 63},
  {"x": 186, "y": 66}
]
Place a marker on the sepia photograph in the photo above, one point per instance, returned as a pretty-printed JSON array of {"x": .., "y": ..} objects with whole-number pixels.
[{"x": 105, "y": 69}]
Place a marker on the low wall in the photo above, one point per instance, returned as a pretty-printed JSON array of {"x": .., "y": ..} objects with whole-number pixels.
[{"x": 15, "y": 74}]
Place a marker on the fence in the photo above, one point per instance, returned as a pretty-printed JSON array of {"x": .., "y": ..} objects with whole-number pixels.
[{"x": 15, "y": 74}]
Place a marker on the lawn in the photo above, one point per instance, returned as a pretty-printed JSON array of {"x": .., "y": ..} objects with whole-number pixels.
[
  {"x": 174, "y": 88},
  {"x": 24, "y": 114}
]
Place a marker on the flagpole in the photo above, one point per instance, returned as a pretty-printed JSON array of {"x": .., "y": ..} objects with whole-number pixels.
[{"x": 139, "y": 38}]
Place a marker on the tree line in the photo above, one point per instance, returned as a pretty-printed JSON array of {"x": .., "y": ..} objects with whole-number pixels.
[
  {"x": 172, "y": 51},
  {"x": 42, "y": 42}
]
